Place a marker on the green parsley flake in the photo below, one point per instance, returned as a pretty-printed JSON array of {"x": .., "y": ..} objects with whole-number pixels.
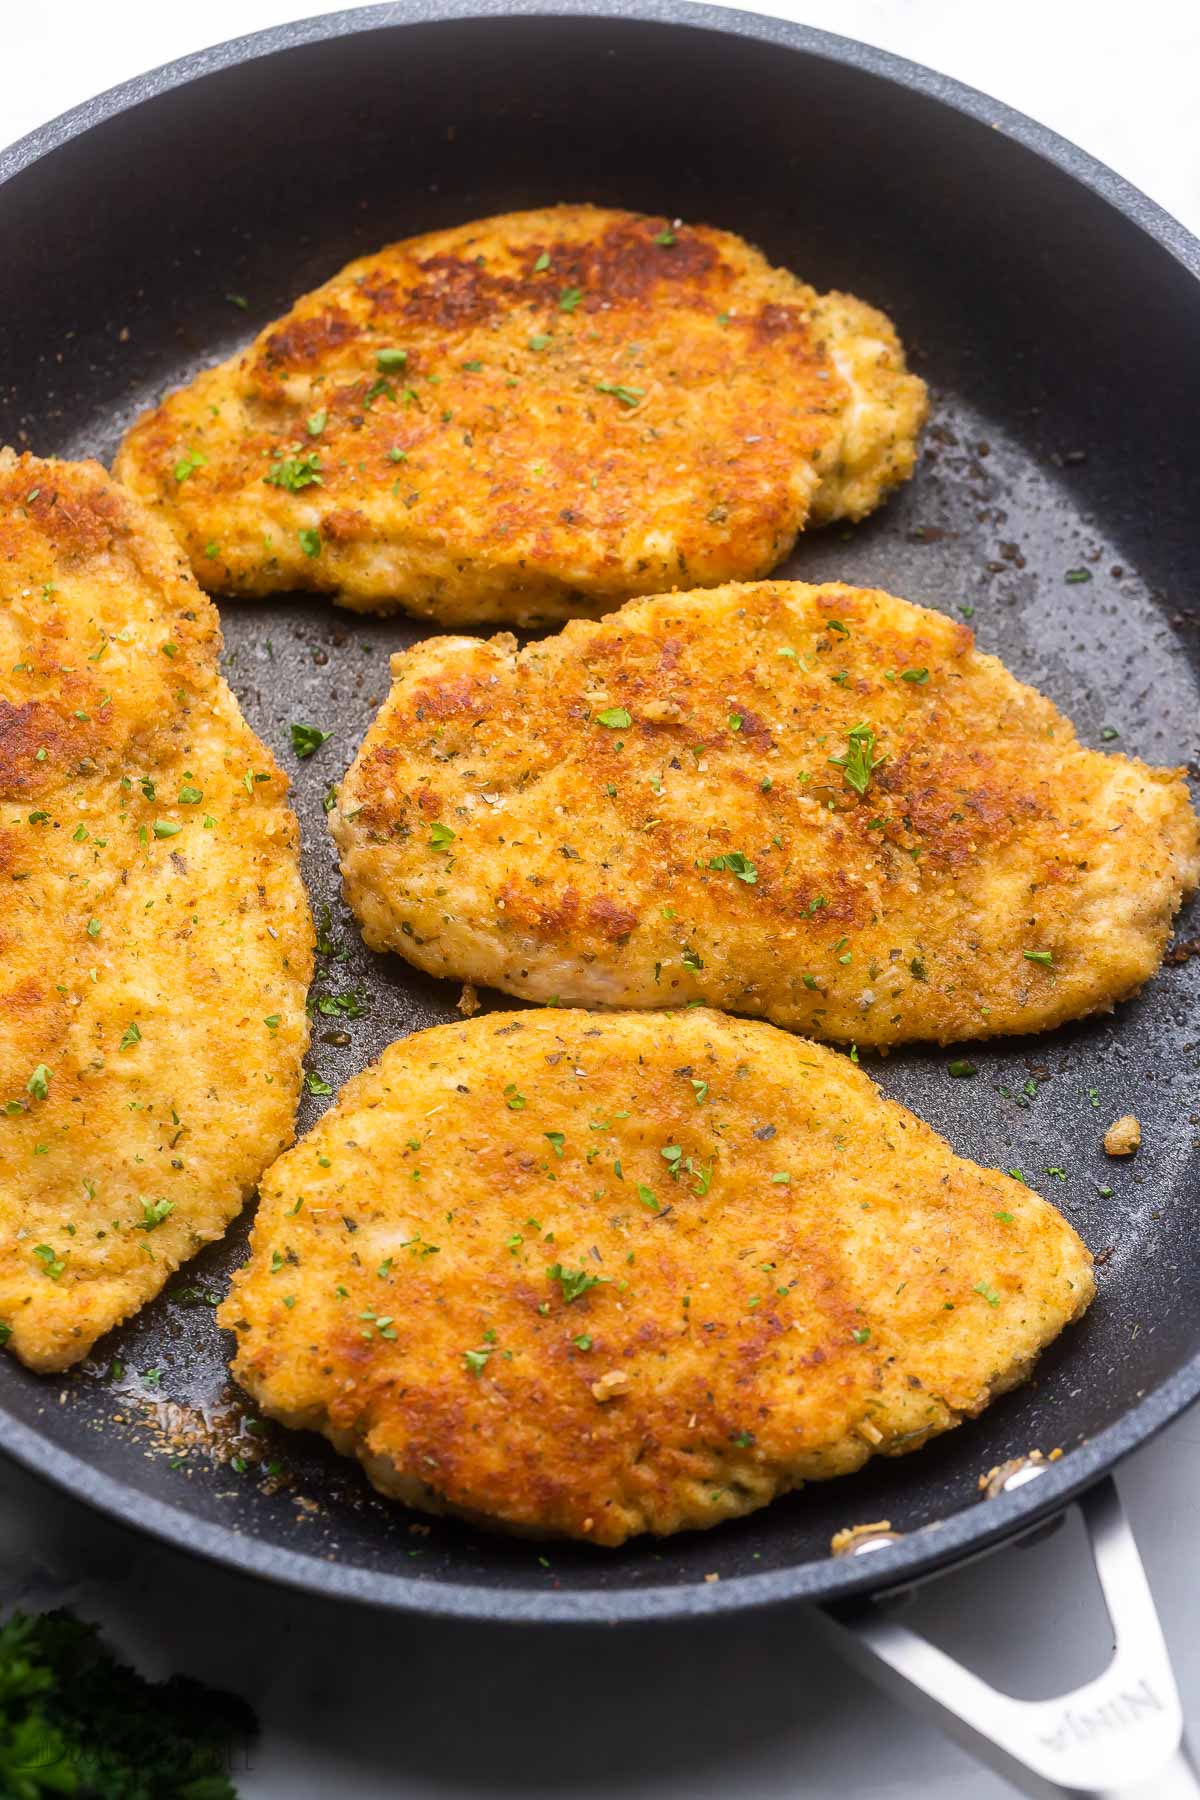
[
  {"x": 987, "y": 1291},
  {"x": 573, "y": 1282},
  {"x": 962, "y": 1069},
  {"x": 187, "y": 465},
  {"x": 165, "y": 828},
  {"x": 646, "y": 1196},
  {"x": 440, "y": 836},
  {"x": 628, "y": 396},
  {"x": 51, "y": 1263},
  {"x": 131, "y": 1036},
  {"x": 542, "y": 341},
  {"x": 860, "y": 761},
  {"x": 316, "y": 1084},
  {"x": 615, "y": 717},
  {"x": 39, "y": 1082},
  {"x": 154, "y": 1212},
  {"x": 665, "y": 239},
  {"x": 391, "y": 359},
  {"x": 1044, "y": 957},
  {"x": 542, "y": 263},
  {"x": 569, "y": 299},
  {"x": 514, "y": 1098},
  {"x": 918, "y": 677},
  {"x": 475, "y": 1361},
  {"x": 310, "y": 541},
  {"x": 296, "y": 472},
  {"x": 308, "y": 738},
  {"x": 316, "y": 423},
  {"x": 737, "y": 864}
]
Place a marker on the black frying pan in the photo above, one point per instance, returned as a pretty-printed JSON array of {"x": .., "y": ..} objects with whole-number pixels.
[{"x": 1053, "y": 311}]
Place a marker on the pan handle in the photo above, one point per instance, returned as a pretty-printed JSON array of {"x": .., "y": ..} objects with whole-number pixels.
[{"x": 1119, "y": 1737}]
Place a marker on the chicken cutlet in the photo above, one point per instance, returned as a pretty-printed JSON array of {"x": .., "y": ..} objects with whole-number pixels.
[
  {"x": 821, "y": 805},
  {"x": 594, "y": 1275},
  {"x": 530, "y": 418},
  {"x": 155, "y": 938}
]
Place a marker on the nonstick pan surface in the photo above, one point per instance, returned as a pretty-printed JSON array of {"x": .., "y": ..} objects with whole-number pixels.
[{"x": 1053, "y": 311}]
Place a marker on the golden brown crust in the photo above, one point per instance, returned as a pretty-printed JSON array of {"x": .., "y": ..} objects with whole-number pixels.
[
  {"x": 152, "y": 917},
  {"x": 530, "y": 418},
  {"x": 994, "y": 876},
  {"x": 598, "y": 1275}
]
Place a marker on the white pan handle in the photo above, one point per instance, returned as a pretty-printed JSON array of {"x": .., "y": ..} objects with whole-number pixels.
[{"x": 1119, "y": 1737}]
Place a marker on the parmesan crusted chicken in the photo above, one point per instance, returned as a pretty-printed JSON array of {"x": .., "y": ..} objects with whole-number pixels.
[
  {"x": 530, "y": 418},
  {"x": 595, "y": 1275},
  {"x": 817, "y": 804},
  {"x": 155, "y": 939}
]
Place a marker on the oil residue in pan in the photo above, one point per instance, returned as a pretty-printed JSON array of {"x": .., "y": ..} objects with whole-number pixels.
[{"x": 986, "y": 532}]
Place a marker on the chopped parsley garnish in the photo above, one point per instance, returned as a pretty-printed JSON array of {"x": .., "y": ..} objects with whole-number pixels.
[
  {"x": 93, "y": 928},
  {"x": 665, "y": 239},
  {"x": 154, "y": 1212},
  {"x": 573, "y": 1282},
  {"x": 557, "y": 1140},
  {"x": 187, "y": 465},
  {"x": 165, "y": 828},
  {"x": 316, "y": 1084},
  {"x": 860, "y": 761},
  {"x": 189, "y": 795},
  {"x": 961, "y": 1068},
  {"x": 615, "y": 717},
  {"x": 476, "y": 1360},
  {"x": 39, "y": 1082},
  {"x": 132, "y": 1036},
  {"x": 1074, "y": 576},
  {"x": 514, "y": 1098},
  {"x": 569, "y": 299},
  {"x": 628, "y": 396},
  {"x": 647, "y": 1198},
  {"x": 542, "y": 263},
  {"x": 541, "y": 341},
  {"x": 307, "y": 738},
  {"x": 987, "y": 1291},
  {"x": 700, "y": 1089},
  {"x": 310, "y": 541},
  {"x": 295, "y": 472},
  {"x": 693, "y": 960},
  {"x": 316, "y": 423},
  {"x": 391, "y": 359},
  {"x": 862, "y": 1334},
  {"x": 737, "y": 864},
  {"x": 51, "y": 1263},
  {"x": 918, "y": 677},
  {"x": 1044, "y": 957},
  {"x": 440, "y": 836}
]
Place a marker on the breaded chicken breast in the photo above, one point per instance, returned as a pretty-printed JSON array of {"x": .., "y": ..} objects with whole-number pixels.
[
  {"x": 595, "y": 1275},
  {"x": 155, "y": 939},
  {"x": 817, "y": 804},
  {"x": 530, "y": 418}
]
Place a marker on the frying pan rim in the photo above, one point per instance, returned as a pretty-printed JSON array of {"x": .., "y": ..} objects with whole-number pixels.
[{"x": 931, "y": 1549}]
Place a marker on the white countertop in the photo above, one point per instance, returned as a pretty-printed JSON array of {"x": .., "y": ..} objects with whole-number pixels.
[{"x": 359, "y": 1706}]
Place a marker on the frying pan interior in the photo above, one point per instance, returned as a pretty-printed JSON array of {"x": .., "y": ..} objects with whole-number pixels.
[{"x": 1056, "y": 324}]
